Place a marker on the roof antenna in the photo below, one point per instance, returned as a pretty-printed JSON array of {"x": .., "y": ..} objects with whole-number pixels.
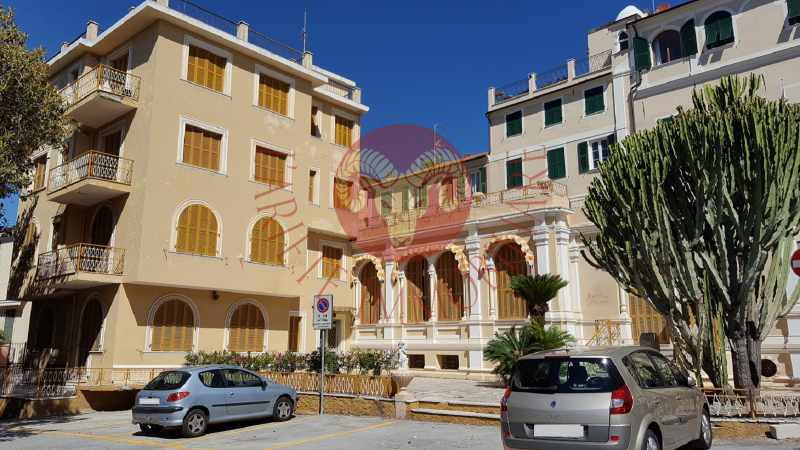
[{"x": 305, "y": 30}]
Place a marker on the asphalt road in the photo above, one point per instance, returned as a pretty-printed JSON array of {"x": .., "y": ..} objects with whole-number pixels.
[{"x": 113, "y": 430}]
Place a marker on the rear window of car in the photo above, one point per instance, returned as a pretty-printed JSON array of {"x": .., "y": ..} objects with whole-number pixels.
[
  {"x": 166, "y": 381},
  {"x": 565, "y": 375}
]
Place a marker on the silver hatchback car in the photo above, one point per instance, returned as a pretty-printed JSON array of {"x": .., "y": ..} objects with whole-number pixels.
[
  {"x": 629, "y": 398},
  {"x": 193, "y": 397}
]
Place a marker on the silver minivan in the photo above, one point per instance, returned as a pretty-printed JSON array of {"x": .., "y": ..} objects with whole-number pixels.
[
  {"x": 193, "y": 397},
  {"x": 603, "y": 398}
]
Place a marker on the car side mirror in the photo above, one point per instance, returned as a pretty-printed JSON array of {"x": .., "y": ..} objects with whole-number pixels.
[
  {"x": 691, "y": 381},
  {"x": 263, "y": 383}
]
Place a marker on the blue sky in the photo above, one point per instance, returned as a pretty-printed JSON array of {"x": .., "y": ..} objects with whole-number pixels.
[{"x": 420, "y": 62}]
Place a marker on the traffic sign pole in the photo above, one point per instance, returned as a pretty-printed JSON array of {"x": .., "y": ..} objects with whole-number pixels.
[
  {"x": 323, "y": 321},
  {"x": 322, "y": 372}
]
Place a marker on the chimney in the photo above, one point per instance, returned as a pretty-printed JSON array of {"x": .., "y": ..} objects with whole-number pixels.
[
  {"x": 163, "y": 2},
  {"x": 571, "y": 69},
  {"x": 64, "y": 46},
  {"x": 91, "y": 30},
  {"x": 662, "y": 7},
  {"x": 308, "y": 59},
  {"x": 242, "y": 30}
]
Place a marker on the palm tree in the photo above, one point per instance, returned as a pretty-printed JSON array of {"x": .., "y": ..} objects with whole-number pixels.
[
  {"x": 508, "y": 347},
  {"x": 537, "y": 291}
]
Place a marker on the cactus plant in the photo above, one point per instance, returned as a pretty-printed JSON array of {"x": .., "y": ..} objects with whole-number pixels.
[{"x": 697, "y": 215}]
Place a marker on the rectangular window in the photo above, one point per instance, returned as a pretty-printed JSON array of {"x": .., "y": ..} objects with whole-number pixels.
[
  {"x": 552, "y": 113},
  {"x": 40, "y": 169},
  {"x": 599, "y": 150},
  {"x": 206, "y": 68},
  {"x": 294, "y": 333},
  {"x": 273, "y": 94},
  {"x": 594, "y": 100},
  {"x": 312, "y": 186},
  {"x": 344, "y": 131},
  {"x": 421, "y": 197},
  {"x": 478, "y": 180},
  {"x": 514, "y": 124},
  {"x": 514, "y": 173},
  {"x": 201, "y": 147},
  {"x": 556, "y": 166},
  {"x": 404, "y": 206},
  {"x": 270, "y": 167},
  {"x": 386, "y": 203},
  {"x": 331, "y": 262},
  {"x": 794, "y": 11},
  {"x": 557, "y": 375},
  {"x": 448, "y": 192},
  {"x": 342, "y": 193},
  {"x": 315, "y": 130}
]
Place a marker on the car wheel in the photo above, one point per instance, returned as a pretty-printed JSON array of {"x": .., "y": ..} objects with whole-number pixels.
[
  {"x": 651, "y": 441},
  {"x": 149, "y": 430},
  {"x": 283, "y": 409},
  {"x": 706, "y": 435},
  {"x": 195, "y": 423}
]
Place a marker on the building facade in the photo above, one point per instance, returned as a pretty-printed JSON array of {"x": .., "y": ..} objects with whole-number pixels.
[
  {"x": 191, "y": 207},
  {"x": 549, "y": 132}
]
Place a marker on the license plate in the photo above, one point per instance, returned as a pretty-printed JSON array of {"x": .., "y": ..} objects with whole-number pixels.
[
  {"x": 148, "y": 401},
  {"x": 558, "y": 431}
]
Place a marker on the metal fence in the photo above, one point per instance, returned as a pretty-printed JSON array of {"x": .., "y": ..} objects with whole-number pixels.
[
  {"x": 593, "y": 63},
  {"x": 196, "y": 11},
  {"x": 339, "y": 89},
  {"x": 26, "y": 382},
  {"x": 81, "y": 258},
  {"x": 551, "y": 77},
  {"x": 511, "y": 90},
  {"x": 92, "y": 164},
  {"x": 744, "y": 403},
  {"x": 101, "y": 79},
  {"x": 274, "y": 46}
]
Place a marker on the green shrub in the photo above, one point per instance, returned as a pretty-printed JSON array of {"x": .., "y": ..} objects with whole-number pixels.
[
  {"x": 313, "y": 361},
  {"x": 505, "y": 349}
]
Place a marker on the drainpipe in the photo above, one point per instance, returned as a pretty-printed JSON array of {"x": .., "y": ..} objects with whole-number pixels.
[{"x": 635, "y": 87}]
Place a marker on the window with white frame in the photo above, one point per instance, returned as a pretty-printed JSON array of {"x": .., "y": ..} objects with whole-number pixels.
[
  {"x": 206, "y": 65},
  {"x": 202, "y": 145},
  {"x": 273, "y": 91},
  {"x": 598, "y": 152}
]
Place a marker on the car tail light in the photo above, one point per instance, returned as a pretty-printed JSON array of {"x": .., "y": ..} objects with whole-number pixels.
[
  {"x": 504, "y": 400},
  {"x": 621, "y": 401},
  {"x": 175, "y": 396}
]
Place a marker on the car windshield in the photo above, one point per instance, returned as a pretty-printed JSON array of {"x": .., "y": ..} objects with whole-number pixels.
[
  {"x": 166, "y": 381},
  {"x": 565, "y": 375}
]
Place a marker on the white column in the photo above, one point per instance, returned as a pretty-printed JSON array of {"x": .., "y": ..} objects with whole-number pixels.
[
  {"x": 575, "y": 285},
  {"x": 626, "y": 328},
  {"x": 402, "y": 289},
  {"x": 389, "y": 310},
  {"x": 357, "y": 295},
  {"x": 562, "y": 235},
  {"x": 541, "y": 241},
  {"x": 491, "y": 274},
  {"x": 473, "y": 247},
  {"x": 434, "y": 294}
]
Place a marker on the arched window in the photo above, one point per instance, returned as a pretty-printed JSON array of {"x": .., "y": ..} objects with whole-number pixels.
[
  {"x": 197, "y": 231},
  {"x": 719, "y": 29},
  {"x": 90, "y": 330},
  {"x": 246, "y": 329},
  {"x": 668, "y": 47},
  {"x": 172, "y": 327},
  {"x": 419, "y": 296},
  {"x": 266, "y": 242},
  {"x": 449, "y": 288},
  {"x": 370, "y": 295},
  {"x": 622, "y": 40},
  {"x": 509, "y": 261}
]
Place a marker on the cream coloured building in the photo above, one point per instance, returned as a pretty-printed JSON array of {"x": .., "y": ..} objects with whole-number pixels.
[
  {"x": 191, "y": 208},
  {"x": 548, "y": 134}
]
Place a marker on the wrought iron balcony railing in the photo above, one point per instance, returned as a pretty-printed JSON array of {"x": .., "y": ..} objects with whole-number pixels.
[
  {"x": 75, "y": 258},
  {"x": 593, "y": 63},
  {"x": 91, "y": 165},
  {"x": 101, "y": 79}
]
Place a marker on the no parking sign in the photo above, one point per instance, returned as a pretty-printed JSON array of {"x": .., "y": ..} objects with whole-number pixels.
[{"x": 323, "y": 312}]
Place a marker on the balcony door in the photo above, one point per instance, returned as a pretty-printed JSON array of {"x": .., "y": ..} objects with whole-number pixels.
[
  {"x": 106, "y": 167},
  {"x": 102, "y": 226}
]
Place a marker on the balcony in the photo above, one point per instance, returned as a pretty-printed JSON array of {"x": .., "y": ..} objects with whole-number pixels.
[
  {"x": 89, "y": 179},
  {"x": 80, "y": 266},
  {"x": 100, "y": 96}
]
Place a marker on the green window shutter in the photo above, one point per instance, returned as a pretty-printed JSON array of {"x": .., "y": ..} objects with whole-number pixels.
[
  {"x": 552, "y": 113},
  {"x": 719, "y": 29},
  {"x": 612, "y": 139},
  {"x": 422, "y": 193},
  {"x": 689, "y": 38},
  {"x": 482, "y": 186},
  {"x": 514, "y": 124},
  {"x": 514, "y": 173},
  {"x": 794, "y": 11},
  {"x": 583, "y": 157},
  {"x": 556, "y": 167},
  {"x": 406, "y": 196},
  {"x": 641, "y": 54},
  {"x": 461, "y": 188},
  {"x": 594, "y": 101},
  {"x": 386, "y": 203}
]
